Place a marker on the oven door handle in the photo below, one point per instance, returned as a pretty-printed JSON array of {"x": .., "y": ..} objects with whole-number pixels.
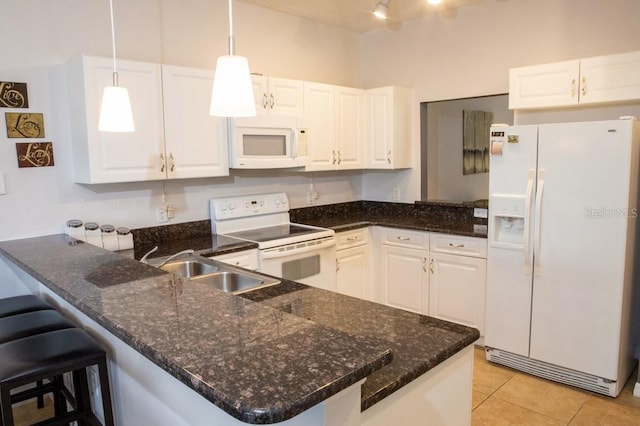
[{"x": 276, "y": 252}]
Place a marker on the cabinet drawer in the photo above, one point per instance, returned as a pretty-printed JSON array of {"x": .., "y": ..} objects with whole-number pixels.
[
  {"x": 405, "y": 238},
  {"x": 245, "y": 259},
  {"x": 353, "y": 238},
  {"x": 453, "y": 244}
]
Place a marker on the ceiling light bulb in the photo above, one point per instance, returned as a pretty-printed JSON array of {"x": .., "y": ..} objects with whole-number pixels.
[
  {"x": 382, "y": 9},
  {"x": 434, "y": 1}
]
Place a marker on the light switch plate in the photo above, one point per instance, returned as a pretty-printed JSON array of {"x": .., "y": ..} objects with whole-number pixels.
[
  {"x": 3, "y": 187},
  {"x": 481, "y": 213}
]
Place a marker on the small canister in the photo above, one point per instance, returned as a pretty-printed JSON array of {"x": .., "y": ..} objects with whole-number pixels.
[
  {"x": 125, "y": 238},
  {"x": 93, "y": 233},
  {"x": 75, "y": 229},
  {"x": 109, "y": 237}
]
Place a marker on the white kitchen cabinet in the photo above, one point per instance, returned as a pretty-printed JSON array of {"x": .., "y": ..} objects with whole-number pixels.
[
  {"x": 389, "y": 127},
  {"x": 278, "y": 96},
  {"x": 335, "y": 117},
  {"x": 174, "y": 135},
  {"x": 457, "y": 285},
  {"x": 353, "y": 262},
  {"x": 403, "y": 280},
  {"x": 104, "y": 157},
  {"x": 247, "y": 259},
  {"x": 602, "y": 79},
  {"x": 195, "y": 142}
]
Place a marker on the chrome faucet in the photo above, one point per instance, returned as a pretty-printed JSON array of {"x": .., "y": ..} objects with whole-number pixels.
[
  {"x": 144, "y": 258},
  {"x": 173, "y": 256}
]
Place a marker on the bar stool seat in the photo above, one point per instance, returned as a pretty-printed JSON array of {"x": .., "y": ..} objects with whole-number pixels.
[
  {"x": 31, "y": 323},
  {"x": 48, "y": 356},
  {"x": 20, "y": 304}
]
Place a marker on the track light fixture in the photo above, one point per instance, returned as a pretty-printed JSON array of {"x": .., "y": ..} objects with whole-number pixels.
[{"x": 382, "y": 9}]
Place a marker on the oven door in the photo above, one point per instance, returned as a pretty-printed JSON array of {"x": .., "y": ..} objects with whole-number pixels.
[{"x": 310, "y": 262}]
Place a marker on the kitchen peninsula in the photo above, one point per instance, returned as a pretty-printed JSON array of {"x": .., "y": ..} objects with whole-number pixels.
[{"x": 294, "y": 353}]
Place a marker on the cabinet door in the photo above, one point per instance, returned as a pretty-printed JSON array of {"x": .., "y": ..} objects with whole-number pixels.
[
  {"x": 104, "y": 157},
  {"x": 352, "y": 267},
  {"x": 319, "y": 113},
  {"x": 278, "y": 96},
  {"x": 196, "y": 144},
  {"x": 389, "y": 127},
  {"x": 286, "y": 97},
  {"x": 610, "y": 78},
  {"x": 350, "y": 128},
  {"x": 405, "y": 281},
  {"x": 545, "y": 85},
  {"x": 247, "y": 259},
  {"x": 457, "y": 289}
]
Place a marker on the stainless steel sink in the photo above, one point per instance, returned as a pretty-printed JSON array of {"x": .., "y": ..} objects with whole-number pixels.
[
  {"x": 235, "y": 282},
  {"x": 216, "y": 274},
  {"x": 189, "y": 268}
]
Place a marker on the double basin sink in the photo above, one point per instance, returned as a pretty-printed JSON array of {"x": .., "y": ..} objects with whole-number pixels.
[{"x": 219, "y": 275}]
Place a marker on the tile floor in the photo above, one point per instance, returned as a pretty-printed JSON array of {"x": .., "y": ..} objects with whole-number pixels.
[{"x": 502, "y": 396}]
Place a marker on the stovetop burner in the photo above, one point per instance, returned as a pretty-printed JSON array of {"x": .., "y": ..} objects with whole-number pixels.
[{"x": 272, "y": 233}]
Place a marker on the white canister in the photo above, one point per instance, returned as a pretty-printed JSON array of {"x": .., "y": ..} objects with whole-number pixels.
[
  {"x": 125, "y": 238},
  {"x": 93, "y": 234},
  {"x": 75, "y": 229},
  {"x": 109, "y": 237}
]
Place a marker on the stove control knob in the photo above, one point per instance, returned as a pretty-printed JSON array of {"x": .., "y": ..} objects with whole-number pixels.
[
  {"x": 231, "y": 206},
  {"x": 223, "y": 207}
]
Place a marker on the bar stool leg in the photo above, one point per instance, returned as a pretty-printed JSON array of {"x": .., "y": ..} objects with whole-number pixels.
[
  {"x": 7, "y": 411},
  {"x": 106, "y": 393}
]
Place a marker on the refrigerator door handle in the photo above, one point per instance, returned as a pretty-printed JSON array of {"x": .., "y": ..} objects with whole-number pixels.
[
  {"x": 538, "y": 222},
  {"x": 527, "y": 222}
]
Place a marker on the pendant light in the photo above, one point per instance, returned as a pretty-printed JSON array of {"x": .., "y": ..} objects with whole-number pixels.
[
  {"x": 382, "y": 9},
  {"x": 115, "y": 110},
  {"x": 232, "y": 93}
]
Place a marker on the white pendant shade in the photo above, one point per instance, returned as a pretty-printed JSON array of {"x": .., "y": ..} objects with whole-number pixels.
[
  {"x": 232, "y": 94},
  {"x": 115, "y": 110}
]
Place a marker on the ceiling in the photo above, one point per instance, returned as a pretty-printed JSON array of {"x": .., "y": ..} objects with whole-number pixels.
[{"x": 356, "y": 15}]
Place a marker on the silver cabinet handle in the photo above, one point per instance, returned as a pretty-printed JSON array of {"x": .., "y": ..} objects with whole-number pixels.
[
  {"x": 339, "y": 157},
  {"x": 389, "y": 157},
  {"x": 456, "y": 245},
  {"x": 334, "y": 156},
  {"x": 431, "y": 266},
  {"x": 403, "y": 238},
  {"x": 264, "y": 100},
  {"x": 162, "y": 162},
  {"x": 424, "y": 264},
  {"x": 173, "y": 163},
  {"x": 573, "y": 87},
  {"x": 352, "y": 239},
  {"x": 337, "y": 265},
  {"x": 583, "y": 86},
  {"x": 272, "y": 101}
]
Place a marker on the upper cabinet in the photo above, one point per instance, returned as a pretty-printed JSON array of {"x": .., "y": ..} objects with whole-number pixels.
[
  {"x": 613, "y": 78},
  {"x": 195, "y": 142},
  {"x": 278, "y": 96},
  {"x": 335, "y": 118},
  {"x": 389, "y": 127},
  {"x": 173, "y": 138}
]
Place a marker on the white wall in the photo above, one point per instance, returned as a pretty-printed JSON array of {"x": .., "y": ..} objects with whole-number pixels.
[
  {"x": 469, "y": 52},
  {"x": 37, "y": 36}
]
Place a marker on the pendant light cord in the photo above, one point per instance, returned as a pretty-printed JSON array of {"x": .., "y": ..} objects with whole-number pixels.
[
  {"x": 231, "y": 44},
  {"x": 113, "y": 45}
]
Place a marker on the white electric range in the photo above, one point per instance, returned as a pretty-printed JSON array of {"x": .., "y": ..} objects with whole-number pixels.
[{"x": 292, "y": 251}]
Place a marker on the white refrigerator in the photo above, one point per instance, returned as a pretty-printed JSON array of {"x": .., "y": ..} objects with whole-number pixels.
[{"x": 562, "y": 220}]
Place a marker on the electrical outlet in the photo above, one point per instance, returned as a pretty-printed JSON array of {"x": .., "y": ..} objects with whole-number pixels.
[
  {"x": 316, "y": 195},
  {"x": 161, "y": 214},
  {"x": 310, "y": 197},
  {"x": 171, "y": 212},
  {"x": 396, "y": 194},
  {"x": 3, "y": 187}
]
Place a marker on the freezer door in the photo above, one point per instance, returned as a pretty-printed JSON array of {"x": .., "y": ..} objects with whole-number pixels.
[
  {"x": 509, "y": 267},
  {"x": 581, "y": 238}
]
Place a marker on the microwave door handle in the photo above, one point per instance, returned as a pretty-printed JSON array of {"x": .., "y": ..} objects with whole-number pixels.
[{"x": 275, "y": 253}]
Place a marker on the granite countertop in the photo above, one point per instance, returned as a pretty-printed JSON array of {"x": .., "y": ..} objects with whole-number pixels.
[
  {"x": 264, "y": 356},
  {"x": 456, "y": 219}
]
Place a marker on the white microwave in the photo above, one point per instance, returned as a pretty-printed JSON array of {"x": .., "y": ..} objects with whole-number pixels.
[{"x": 267, "y": 143}]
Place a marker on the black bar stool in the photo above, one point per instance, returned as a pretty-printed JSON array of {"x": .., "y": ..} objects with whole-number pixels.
[
  {"x": 20, "y": 304},
  {"x": 48, "y": 356}
]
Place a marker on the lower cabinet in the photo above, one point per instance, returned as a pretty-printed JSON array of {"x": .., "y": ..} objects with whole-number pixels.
[
  {"x": 457, "y": 288},
  {"x": 405, "y": 280},
  {"x": 352, "y": 263}
]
